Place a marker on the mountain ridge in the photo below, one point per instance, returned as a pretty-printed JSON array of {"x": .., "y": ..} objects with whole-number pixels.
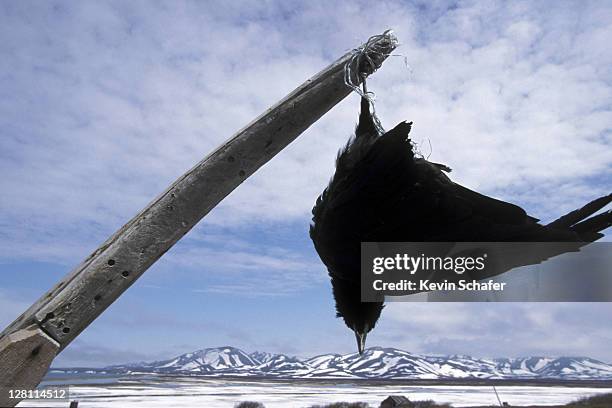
[{"x": 376, "y": 363}]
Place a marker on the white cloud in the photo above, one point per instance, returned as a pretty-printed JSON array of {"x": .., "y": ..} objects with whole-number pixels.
[
  {"x": 107, "y": 111},
  {"x": 498, "y": 329},
  {"x": 108, "y": 103},
  {"x": 244, "y": 269}
]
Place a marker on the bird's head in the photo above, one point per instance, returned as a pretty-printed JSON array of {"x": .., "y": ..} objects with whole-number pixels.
[{"x": 360, "y": 317}]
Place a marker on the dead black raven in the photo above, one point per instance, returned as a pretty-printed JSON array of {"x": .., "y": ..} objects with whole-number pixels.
[{"x": 382, "y": 192}]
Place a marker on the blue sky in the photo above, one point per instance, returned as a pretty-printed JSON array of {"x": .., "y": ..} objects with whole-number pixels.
[{"x": 106, "y": 103}]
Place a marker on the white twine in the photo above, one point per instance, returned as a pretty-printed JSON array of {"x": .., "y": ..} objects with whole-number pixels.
[{"x": 375, "y": 46}]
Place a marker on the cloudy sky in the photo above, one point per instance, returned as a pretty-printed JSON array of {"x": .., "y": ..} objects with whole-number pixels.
[{"x": 104, "y": 104}]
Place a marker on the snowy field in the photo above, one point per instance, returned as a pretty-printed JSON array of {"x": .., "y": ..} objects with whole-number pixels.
[{"x": 217, "y": 393}]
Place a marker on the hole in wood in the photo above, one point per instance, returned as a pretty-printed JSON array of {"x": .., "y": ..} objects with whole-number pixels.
[
  {"x": 170, "y": 207},
  {"x": 111, "y": 262},
  {"x": 125, "y": 274},
  {"x": 36, "y": 350},
  {"x": 172, "y": 195},
  {"x": 49, "y": 315},
  {"x": 241, "y": 173},
  {"x": 66, "y": 329},
  {"x": 231, "y": 159},
  {"x": 98, "y": 297},
  {"x": 109, "y": 281}
]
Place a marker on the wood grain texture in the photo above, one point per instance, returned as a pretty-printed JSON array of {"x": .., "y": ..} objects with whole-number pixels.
[{"x": 25, "y": 357}]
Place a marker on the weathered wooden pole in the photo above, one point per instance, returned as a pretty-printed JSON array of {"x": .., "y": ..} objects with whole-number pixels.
[{"x": 31, "y": 342}]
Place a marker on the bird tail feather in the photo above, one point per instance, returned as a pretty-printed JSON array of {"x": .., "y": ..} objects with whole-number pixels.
[
  {"x": 594, "y": 224},
  {"x": 577, "y": 217}
]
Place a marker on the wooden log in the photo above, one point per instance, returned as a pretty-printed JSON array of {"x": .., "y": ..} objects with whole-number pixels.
[
  {"x": 26, "y": 356},
  {"x": 82, "y": 295}
]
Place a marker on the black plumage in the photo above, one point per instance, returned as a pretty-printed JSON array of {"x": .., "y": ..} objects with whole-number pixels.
[{"x": 381, "y": 191}]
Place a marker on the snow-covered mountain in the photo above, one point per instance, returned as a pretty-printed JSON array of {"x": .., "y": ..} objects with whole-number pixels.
[
  {"x": 376, "y": 363},
  {"x": 210, "y": 360}
]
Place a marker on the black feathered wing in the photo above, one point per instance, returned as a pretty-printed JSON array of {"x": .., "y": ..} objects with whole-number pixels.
[
  {"x": 428, "y": 206},
  {"x": 388, "y": 194},
  {"x": 391, "y": 195}
]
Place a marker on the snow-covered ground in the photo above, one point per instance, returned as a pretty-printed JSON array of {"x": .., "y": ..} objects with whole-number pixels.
[{"x": 217, "y": 393}]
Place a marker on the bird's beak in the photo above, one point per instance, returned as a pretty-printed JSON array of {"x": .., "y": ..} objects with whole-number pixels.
[{"x": 361, "y": 339}]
